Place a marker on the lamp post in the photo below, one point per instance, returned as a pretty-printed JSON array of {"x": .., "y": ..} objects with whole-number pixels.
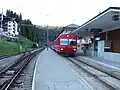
[
  {"x": 47, "y": 34},
  {"x": 47, "y": 39}
]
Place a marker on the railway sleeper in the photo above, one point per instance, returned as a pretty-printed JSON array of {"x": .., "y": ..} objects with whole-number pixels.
[
  {"x": 3, "y": 81},
  {"x": 10, "y": 72},
  {"x": 18, "y": 81}
]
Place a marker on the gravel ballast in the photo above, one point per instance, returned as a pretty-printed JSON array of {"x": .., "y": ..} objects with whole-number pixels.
[
  {"x": 8, "y": 61},
  {"x": 24, "y": 82},
  {"x": 93, "y": 81}
]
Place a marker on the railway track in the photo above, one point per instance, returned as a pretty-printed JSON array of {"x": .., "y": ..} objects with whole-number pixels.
[
  {"x": 13, "y": 54},
  {"x": 10, "y": 73},
  {"x": 103, "y": 76}
]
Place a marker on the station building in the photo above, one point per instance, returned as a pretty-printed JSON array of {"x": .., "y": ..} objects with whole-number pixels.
[
  {"x": 69, "y": 28},
  {"x": 101, "y": 34}
]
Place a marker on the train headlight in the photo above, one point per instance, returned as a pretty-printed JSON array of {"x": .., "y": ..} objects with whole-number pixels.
[
  {"x": 74, "y": 49},
  {"x": 61, "y": 49}
]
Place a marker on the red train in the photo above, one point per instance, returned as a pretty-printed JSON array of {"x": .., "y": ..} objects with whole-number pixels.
[{"x": 65, "y": 44}]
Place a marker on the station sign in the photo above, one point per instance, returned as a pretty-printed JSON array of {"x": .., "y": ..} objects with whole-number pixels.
[{"x": 96, "y": 30}]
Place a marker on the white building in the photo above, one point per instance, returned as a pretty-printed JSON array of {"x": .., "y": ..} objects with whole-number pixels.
[
  {"x": 69, "y": 28},
  {"x": 10, "y": 27}
]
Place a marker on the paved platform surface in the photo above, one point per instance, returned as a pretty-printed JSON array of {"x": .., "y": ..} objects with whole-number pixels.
[
  {"x": 53, "y": 73},
  {"x": 110, "y": 63},
  {"x": 106, "y": 62}
]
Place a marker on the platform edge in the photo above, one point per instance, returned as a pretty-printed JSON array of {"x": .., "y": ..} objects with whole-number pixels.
[
  {"x": 79, "y": 76},
  {"x": 34, "y": 74}
]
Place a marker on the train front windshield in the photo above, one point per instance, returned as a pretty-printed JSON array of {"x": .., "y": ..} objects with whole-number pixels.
[{"x": 72, "y": 42}]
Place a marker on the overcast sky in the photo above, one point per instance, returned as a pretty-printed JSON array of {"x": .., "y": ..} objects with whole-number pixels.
[{"x": 58, "y": 12}]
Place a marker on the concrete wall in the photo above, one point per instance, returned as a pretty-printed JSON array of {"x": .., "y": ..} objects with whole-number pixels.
[
  {"x": 106, "y": 55},
  {"x": 112, "y": 36},
  {"x": 91, "y": 53},
  {"x": 111, "y": 56}
]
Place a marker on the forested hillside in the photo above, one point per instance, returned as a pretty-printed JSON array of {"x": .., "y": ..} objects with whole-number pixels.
[{"x": 27, "y": 29}]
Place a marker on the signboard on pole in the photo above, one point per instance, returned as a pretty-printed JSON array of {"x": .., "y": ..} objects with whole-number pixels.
[{"x": 96, "y": 30}]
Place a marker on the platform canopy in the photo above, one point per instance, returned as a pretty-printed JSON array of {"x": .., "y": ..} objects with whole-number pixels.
[{"x": 105, "y": 21}]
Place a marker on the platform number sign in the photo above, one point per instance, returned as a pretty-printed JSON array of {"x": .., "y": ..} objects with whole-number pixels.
[{"x": 115, "y": 17}]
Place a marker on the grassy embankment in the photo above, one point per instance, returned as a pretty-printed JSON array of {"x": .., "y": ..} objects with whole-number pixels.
[{"x": 13, "y": 47}]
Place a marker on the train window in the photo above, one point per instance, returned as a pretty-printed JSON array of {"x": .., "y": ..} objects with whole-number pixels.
[
  {"x": 64, "y": 42},
  {"x": 73, "y": 42}
]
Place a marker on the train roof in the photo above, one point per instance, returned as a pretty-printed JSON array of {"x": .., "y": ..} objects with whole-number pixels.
[
  {"x": 71, "y": 35},
  {"x": 67, "y": 36}
]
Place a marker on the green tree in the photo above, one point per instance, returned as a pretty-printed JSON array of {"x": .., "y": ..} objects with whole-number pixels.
[{"x": 30, "y": 31}]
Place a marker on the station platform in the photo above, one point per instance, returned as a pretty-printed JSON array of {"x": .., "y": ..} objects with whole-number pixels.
[
  {"x": 53, "y": 73},
  {"x": 102, "y": 61}
]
